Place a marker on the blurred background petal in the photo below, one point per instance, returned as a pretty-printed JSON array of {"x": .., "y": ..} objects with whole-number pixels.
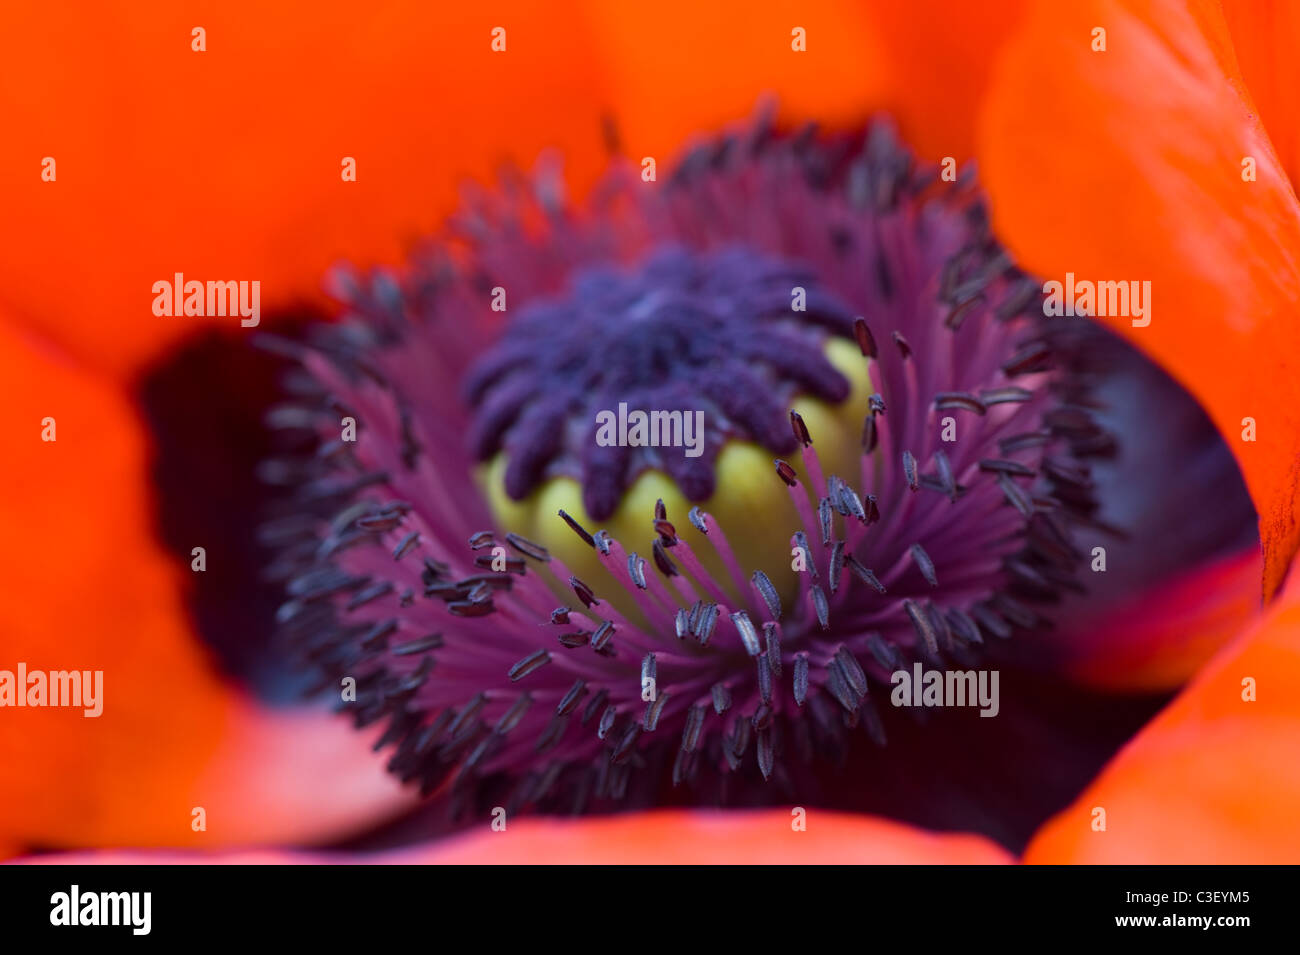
[
  {"x": 677, "y": 69},
  {"x": 940, "y": 58},
  {"x": 1215, "y": 778},
  {"x": 655, "y": 838},
  {"x": 90, "y": 589},
  {"x": 226, "y": 164},
  {"x": 1160, "y": 638}
]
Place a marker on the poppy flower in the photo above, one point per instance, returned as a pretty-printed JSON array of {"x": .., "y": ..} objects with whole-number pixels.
[{"x": 899, "y": 461}]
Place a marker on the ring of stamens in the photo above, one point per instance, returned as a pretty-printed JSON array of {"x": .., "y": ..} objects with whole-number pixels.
[{"x": 927, "y": 551}]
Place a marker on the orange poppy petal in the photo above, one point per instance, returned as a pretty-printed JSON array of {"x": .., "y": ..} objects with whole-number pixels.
[
  {"x": 1127, "y": 165},
  {"x": 941, "y": 57},
  {"x": 88, "y": 588},
  {"x": 678, "y": 68},
  {"x": 658, "y": 838},
  {"x": 227, "y": 164},
  {"x": 1265, "y": 35},
  {"x": 1214, "y": 778}
]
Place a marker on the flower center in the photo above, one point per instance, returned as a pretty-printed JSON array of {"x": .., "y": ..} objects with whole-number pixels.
[
  {"x": 726, "y": 338},
  {"x": 648, "y": 384},
  {"x": 811, "y": 428}
]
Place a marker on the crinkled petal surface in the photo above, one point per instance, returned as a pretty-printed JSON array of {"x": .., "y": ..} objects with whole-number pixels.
[
  {"x": 1139, "y": 176},
  {"x": 1265, "y": 35}
]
